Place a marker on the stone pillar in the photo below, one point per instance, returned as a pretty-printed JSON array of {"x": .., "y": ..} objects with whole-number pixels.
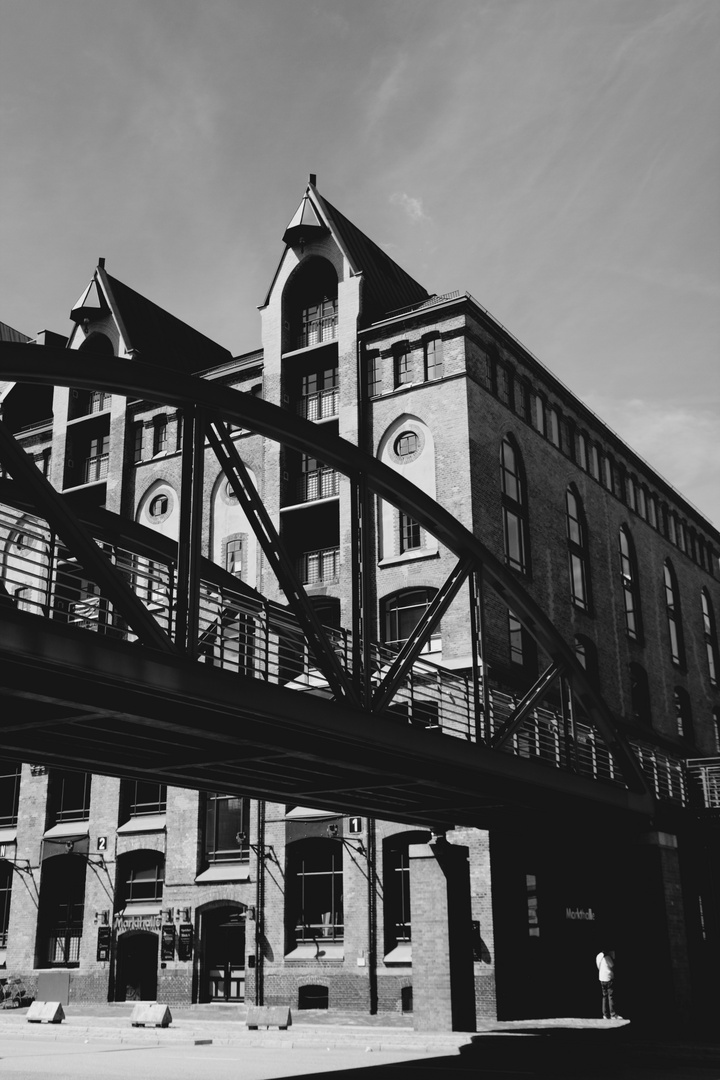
[{"x": 442, "y": 955}]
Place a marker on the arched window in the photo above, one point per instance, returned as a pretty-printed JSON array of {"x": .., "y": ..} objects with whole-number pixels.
[
  {"x": 629, "y": 581},
  {"x": 586, "y": 653},
  {"x": 310, "y": 305},
  {"x": 710, "y": 636},
  {"x": 514, "y": 509},
  {"x": 683, "y": 714},
  {"x": 401, "y": 613},
  {"x": 577, "y": 551},
  {"x": 640, "y": 695},
  {"x": 672, "y": 610}
]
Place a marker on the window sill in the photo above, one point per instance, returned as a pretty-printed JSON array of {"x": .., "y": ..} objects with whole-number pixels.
[
  {"x": 409, "y": 556},
  {"x": 307, "y": 951}
]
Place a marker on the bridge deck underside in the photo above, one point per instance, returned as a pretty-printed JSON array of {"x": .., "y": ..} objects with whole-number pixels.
[{"x": 111, "y": 707}]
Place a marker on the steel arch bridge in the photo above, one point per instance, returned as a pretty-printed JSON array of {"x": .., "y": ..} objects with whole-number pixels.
[{"x": 174, "y": 670}]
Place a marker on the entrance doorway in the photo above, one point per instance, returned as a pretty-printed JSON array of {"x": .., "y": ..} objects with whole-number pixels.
[
  {"x": 224, "y": 954},
  {"x": 137, "y": 957}
]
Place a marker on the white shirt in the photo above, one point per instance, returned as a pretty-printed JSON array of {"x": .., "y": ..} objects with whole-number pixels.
[{"x": 605, "y": 965}]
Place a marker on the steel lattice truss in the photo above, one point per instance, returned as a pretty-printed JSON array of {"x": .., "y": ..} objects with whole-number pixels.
[{"x": 192, "y": 677}]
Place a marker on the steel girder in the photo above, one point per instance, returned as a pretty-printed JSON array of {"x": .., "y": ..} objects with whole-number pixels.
[{"x": 44, "y": 365}]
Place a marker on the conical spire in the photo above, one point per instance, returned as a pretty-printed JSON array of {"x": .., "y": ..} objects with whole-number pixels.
[{"x": 305, "y": 225}]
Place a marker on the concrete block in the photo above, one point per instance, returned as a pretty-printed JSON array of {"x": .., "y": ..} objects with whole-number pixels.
[
  {"x": 150, "y": 1014},
  {"x": 269, "y": 1016},
  {"x": 48, "y": 1012}
]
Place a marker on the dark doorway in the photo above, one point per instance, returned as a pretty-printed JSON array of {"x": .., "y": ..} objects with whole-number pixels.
[
  {"x": 223, "y": 935},
  {"x": 137, "y": 957}
]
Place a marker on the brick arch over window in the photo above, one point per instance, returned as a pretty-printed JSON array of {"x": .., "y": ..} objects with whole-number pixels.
[
  {"x": 673, "y": 614},
  {"x": 310, "y": 304},
  {"x": 709, "y": 636},
  {"x": 408, "y": 447},
  {"x": 578, "y": 556},
  {"x": 630, "y": 584}
]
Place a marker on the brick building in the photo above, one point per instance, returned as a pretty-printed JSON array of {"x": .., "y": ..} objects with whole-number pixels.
[{"x": 115, "y": 889}]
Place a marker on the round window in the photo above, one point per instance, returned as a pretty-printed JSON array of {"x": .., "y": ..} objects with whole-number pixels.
[
  {"x": 407, "y": 444},
  {"x": 159, "y": 506}
]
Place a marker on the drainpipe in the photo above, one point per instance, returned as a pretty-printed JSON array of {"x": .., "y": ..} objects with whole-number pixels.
[
  {"x": 372, "y": 918},
  {"x": 260, "y": 906}
]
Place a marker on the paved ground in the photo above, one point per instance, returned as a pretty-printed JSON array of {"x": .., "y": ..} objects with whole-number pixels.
[{"x": 99, "y": 1040}]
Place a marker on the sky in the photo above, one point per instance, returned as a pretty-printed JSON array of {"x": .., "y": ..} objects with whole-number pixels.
[{"x": 558, "y": 159}]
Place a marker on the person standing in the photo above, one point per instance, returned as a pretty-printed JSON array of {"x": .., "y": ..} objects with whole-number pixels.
[{"x": 605, "y": 962}]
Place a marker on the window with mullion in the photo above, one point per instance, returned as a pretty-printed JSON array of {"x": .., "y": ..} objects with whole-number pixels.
[
  {"x": 226, "y": 828},
  {"x": 672, "y": 611},
  {"x": 433, "y": 359},
  {"x": 629, "y": 582},
  {"x": 316, "y": 890},
  {"x": 513, "y": 509},
  {"x": 70, "y": 796},
  {"x": 709, "y": 635},
  {"x": 577, "y": 551},
  {"x": 146, "y": 797},
  {"x": 410, "y": 533},
  {"x": 9, "y": 793},
  {"x": 401, "y": 365},
  {"x": 145, "y": 878}
]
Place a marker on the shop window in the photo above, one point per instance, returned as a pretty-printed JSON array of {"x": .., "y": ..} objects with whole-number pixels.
[
  {"x": 61, "y": 911},
  {"x": 673, "y": 615},
  {"x": 402, "y": 369},
  {"x": 710, "y": 636},
  {"x": 314, "y": 891},
  {"x": 629, "y": 582},
  {"x": 402, "y": 612},
  {"x": 68, "y": 796},
  {"x": 434, "y": 366},
  {"x": 683, "y": 714},
  {"x": 514, "y": 510},
  {"x": 9, "y": 793},
  {"x": 640, "y": 695},
  {"x": 141, "y": 797},
  {"x": 227, "y": 828},
  {"x": 6, "y": 873},
  {"x": 577, "y": 550}
]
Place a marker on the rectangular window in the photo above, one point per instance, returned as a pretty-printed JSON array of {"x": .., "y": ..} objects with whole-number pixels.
[
  {"x": 145, "y": 797},
  {"x": 410, "y": 536},
  {"x": 374, "y": 375},
  {"x": 137, "y": 441},
  {"x": 538, "y": 414},
  {"x": 652, "y": 511},
  {"x": 96, "y": 463},
  {"x": 9, "y": 793},
  {"x": 160, "y": 440},
  {"x": 608, "y": 474},
  {"x": 594, "y": 462},
  {"x": 401, "y": 363},
  {"x": 434, "y": 359},
  {"x": 672, "y": 534},
  {"x": 234, "y": 550},
  {"x": 515, "y": 633},
  {"x": 70, "y": 796},
  {"x": 227, "y": 828},
  {"x": 554, "y": 427},
  {"x": 514, "y": 543},
  {"x": 681, "y": 535},
  {"x": 581, "y": 450},
  {"x": 320, "y": 395},
  {"x": 630, "y": 492}
]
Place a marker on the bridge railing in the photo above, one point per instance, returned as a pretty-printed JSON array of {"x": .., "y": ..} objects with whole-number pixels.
[{"x": 245, "y": 633}]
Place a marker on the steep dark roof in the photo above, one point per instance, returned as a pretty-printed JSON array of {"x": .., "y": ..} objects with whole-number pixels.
[
  {"x": 159, "y": 337},
  {"x": 386, "y": 285},
  {"x": 8, "y": 334}
]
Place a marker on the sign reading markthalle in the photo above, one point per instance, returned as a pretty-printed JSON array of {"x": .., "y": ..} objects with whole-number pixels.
[
  {"x": 580, "y": 914},
  {"x": 124, "y": 921}
]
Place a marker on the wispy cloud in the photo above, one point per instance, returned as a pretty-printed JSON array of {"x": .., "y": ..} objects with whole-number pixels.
[
  {"x": 386, "y": 92},
  {"x": 412, "y": 206},
  {"x": 681, "y": 443}
]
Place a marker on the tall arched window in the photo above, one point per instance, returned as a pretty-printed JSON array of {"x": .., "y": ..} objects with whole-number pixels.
[
  {"x": 629, "y": 581},
  {"x": 577, "y": 551},
  {"x": 710, "y": 635},
  {"x": 672, "y": 610},
  {"x": 640, "y": 695},
  {"x": 514, "y": 509},
  {"x": 683, "y": 714}
]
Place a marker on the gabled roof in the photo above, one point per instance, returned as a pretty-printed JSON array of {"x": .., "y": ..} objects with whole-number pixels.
[
  {"x": 152, "y": 334},
  {"x": 156, "y": 336},
  {"x": 386, "y": 286}
]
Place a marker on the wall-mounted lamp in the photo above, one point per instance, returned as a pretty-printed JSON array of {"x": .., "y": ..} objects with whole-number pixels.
[
  {"x": 102, "y": 918},
  {"x": 332, "y": 830}
]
